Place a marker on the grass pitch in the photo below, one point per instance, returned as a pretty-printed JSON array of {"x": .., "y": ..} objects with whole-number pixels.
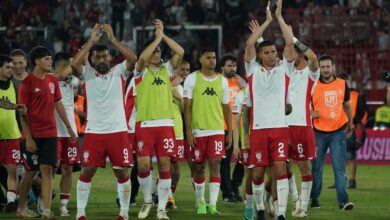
[{"x": 371, "y": 198}]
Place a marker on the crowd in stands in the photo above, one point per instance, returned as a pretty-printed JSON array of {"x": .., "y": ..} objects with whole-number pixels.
[{"x": 63, "y": 25}]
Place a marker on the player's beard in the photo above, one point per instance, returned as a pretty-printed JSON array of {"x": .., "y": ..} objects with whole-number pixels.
[
  {"x": 327, "y": 77},
  {"x": 230, "y": 74},
  {"x": 101, "y": 67}
]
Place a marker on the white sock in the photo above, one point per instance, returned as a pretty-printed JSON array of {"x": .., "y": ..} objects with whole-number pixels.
[
  {"x": 214, "y": 192},
  {"x": 164, "y": 186},
  {"x": 276, "y": 206},
  {"x": 145, "y": 185},
  {"x": 83, "y": 190},
  {"x": 282, "y": 190},
  {"x": 248, "y": 201},
  {"x": 11, "y": 196},
  {"x": 124, "y": 190},
  {"x": 258, "y": 193},
  {"x": 305, "y": 193},
  {"x": 199, "y": 191},
  {"x": 64, "y": 199},
  {"x": 292, "y": 187}
]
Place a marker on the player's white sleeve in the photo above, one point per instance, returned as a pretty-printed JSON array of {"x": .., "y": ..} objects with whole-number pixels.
[
  {"x": 180, "y": 89},
  {"x": 87, "y": 73},
  {"x": 250, "y": 67},
  {"x": 247, "y": 100},
  {"x": 289, "y": 66},
  {"x": 189, "y": 84},
  {"x": 121, "y": 69},
  {"x": 314, "y": 75},
  {"x": 225, "y": 91},
  {"x": 238, "y": 103},
  {"x": 169, "y": 67}
]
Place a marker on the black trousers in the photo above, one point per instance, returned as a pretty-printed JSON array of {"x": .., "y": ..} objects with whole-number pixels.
[{"x": 229, "y": 186}]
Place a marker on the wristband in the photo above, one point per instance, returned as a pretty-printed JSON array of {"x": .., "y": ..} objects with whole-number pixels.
[{"x": 261, "y": 39}]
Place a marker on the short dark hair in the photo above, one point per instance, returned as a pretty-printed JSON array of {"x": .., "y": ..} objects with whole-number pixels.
[
  {"x": 206, "y": 50},
  {"x": 227, "y": 57},
  {"x": 61, "y": 56},
  {"x": 146, "y": 44},
  {"x": 326, "y": 57},
  {"x": 18, "y": 52},
  {"x": 4, "y": 59},
  {"x": 184, "y": 62},
  {"x": 266, "y": 43},
  {"x": 38, "y": 52},
  {"x": 97, "y": 48}
]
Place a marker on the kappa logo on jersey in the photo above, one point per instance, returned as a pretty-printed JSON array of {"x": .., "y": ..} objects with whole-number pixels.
[
  {"x": 158, "y": 81},
  {"x": 51, "y": 87},
  {"x": 209, "y": 91},
  {"x": 37, "y": 90},
  {"x": 331, "y": 98}
]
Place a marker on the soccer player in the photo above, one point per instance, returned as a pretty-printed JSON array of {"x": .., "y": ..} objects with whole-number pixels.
[
  {"x": 302, "y": 143},
  {"x": 9, "y": 131},
  {"x": 229, "y": 187},
  {"x": 241, "y": 114},
  {"x": 178, "y": 107},
  {"x": 267, "y": 91},
  {"x": 106, "y": 130},
  {"x": 68, "y": 150},
  {"x": 206, "y": 94},
  {"x": 40, "y": 93},
  {"x": 154, "y": 122}
]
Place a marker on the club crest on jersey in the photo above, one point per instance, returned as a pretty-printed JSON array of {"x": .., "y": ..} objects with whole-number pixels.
[
  {"x": 86, "y": 156},
  {"x": 258, "y": 156},
  {"x": 140, "y": 145},
  {"x": 51, "y": 87},
  {"x": 245, "y": 156},
  {"x": 197, "y": 154},
  {"x": 331, "y": 98}
]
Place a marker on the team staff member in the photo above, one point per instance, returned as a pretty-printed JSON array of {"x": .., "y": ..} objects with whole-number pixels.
[{"x": 333, "y": 124}]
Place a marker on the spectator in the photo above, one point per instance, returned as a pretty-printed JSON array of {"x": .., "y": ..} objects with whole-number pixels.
[{"x": 117, "y": 16}]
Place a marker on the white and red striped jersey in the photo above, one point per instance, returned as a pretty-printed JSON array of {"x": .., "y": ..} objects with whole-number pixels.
[
  {"x": 239, "y": 102},
  {"x": 105, "y": 99},
  {"x": 267, "y": 93},
  {"x": 130, "y": 109},
  {"x": 302, "y": 84}
]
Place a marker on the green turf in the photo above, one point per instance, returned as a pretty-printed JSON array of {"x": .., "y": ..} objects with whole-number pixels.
[{"x": 371, "y": 198}]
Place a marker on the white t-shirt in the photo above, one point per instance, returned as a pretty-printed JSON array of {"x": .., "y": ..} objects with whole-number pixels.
[
  {"x": 67, "y": 100},
  {"x": 267, "y": 92},
  {"x": 300, "y": 90},
  {"x": 189, "y": 84},
  {"x": 158, "y": 122},
  {"x": 130, "y": 109},
  {"x": 105, "y": 101}
]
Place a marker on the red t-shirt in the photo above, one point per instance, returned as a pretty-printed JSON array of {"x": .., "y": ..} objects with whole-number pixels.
[{"x": 39, "y": 95}]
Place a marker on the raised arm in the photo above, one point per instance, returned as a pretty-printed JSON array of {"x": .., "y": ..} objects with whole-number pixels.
[
  {"x": 309, "y": 53},
  {"x": 148, "y": 51},
  {"x": 78, "y": 60},
  {"x": 257, "y": 32},
  {"x": 129, "y": 55},
  {"x": 288, "y": 52}
]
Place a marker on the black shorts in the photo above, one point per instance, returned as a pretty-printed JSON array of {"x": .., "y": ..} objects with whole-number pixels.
[
  {"x": 351, "y": 147},
  {"x": 46, "y": 153}
]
